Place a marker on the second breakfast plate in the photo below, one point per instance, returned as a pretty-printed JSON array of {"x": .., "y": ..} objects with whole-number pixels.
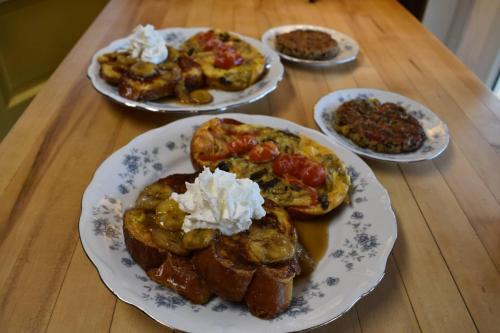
[
  {"x": 436, "y": 131},
  {"x": 361, "y": 236},
  {"x": 223, "y": 100},
  {"x": 348, "y": 47}
]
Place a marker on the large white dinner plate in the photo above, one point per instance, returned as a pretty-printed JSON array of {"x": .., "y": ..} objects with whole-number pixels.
[
  {"x": 348, "y": 48},
  {"x": 435, "y": 129},
  {"x": 223, "y": 100},
  {"x": 361, "y": 236}
]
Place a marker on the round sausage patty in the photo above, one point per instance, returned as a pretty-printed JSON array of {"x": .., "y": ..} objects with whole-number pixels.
[
  {"x": 307, "y": 44},
  {"x": 384, "y": 128}
]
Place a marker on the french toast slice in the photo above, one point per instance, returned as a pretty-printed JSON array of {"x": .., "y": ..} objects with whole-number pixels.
[
  {"x": 178, "y": 273},
  {"x": 263, "y": 258},
  {"x": 270, "y": 291},
  {"x": 203, "y": 262},
  {"x": 140, "y": 221},
  {"x": 223, "y": 268},
  {"x": 153, "y": 83},
  {"x": 114, "y": 65},
  {"x": 138, "y": 239}
]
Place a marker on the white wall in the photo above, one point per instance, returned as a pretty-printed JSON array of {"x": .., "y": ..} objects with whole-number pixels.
[{"x": 471, "y": 29}]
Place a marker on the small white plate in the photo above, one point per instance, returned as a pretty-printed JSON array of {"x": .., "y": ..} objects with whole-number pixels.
[
  {"x": 348, "y": 48},
  {"x": 361, "y": 237},
  {"x": 435, "y": 129},
  {"x": 223, "y": 100}
]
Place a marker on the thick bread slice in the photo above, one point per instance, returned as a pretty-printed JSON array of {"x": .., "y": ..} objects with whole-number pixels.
[
  {"x": 139, "y": 89},
  {"x": 178, "y": 273},
  {"x": 138, "y": 241},
  {"x": 270, "y": 292},
  {"x": 223, "y": 271},
  {"x": 137, "y": 226}
]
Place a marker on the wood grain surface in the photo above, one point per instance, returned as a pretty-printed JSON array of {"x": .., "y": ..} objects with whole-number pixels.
[{"x": 443, "y": 274}]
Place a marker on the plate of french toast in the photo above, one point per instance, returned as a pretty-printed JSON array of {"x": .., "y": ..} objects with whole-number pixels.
[
  {"x": 185, "y": 69},
  {"x": 237, "y": 223}
]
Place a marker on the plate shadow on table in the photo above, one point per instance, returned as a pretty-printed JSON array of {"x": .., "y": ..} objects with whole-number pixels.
[{"x": 339, "y": 68}]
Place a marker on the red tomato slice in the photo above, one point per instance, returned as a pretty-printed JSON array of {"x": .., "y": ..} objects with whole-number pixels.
[
  {"x": 205, "y": 37},
  {"x": 242, "y": 144},
  {"x": 264, "y": 152},
  {"x": 283, "y": 165},
  {"x": 300, "y": 167},
  {"x": 313, "y": 174}
]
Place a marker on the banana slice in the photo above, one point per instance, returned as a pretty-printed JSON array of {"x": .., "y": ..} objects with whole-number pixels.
[
  {"x": 277, "y": 218},
  {"x": 143, "y": 69},
  {"x": 138, "y": 223},
  {"x": 269, "y": 246},
  {"x": 110, "y": 73},
  {"x": 113, "y": 65},
  {"x": 169, "y": 216},
  {"x": 198, "y": 239},
  {"x": 153, "y": 195},
  {"x": 201, "y": 96},
  {"x": 169, "y": 240}
]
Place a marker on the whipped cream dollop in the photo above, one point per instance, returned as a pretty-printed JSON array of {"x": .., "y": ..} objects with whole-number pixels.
[
  {"x": 148, "y": 45},
  {"x": 220, "y": 201}
]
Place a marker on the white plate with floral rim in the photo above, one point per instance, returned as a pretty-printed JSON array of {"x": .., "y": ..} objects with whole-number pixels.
[
  {"x": 361, "y": 236},
  {"x": 348, "y": 48},
  {"x": 435, "y": 129},
  {"x": 223, "y": 100}
]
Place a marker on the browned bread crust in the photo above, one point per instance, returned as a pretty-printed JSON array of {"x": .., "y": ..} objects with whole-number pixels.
[
  {"x": 162, "y": 84},
  {"x": 227, "y": 278},
  {"x": 178, "y": 273},
  {"x": 271, "y": 290},
  {"x": 307, "y": 44}
]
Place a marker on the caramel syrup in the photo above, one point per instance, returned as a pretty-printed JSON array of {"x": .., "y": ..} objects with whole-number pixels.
[{"x": 313, "y": 235}]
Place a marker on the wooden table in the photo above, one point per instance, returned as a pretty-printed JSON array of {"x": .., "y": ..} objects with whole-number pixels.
[{"x": 443, "y": 274}]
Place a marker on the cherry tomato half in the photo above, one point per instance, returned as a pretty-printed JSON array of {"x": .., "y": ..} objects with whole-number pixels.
[
  {"x": 203, "y": 38},
  {"x": 313, "y": 174},
  {"x": 242, "y": 144},
  {"x": 283, "y": 165},
  {"x": 264, "y": 152},
  {"x": 300, "y": 167}
]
